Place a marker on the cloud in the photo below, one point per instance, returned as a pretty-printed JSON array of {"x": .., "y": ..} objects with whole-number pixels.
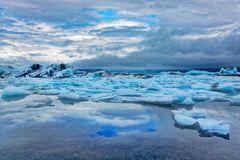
[{"x": 140, "y": 33}]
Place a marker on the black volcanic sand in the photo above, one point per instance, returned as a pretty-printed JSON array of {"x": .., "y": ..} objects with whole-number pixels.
[{"x": 75, "y": 138}]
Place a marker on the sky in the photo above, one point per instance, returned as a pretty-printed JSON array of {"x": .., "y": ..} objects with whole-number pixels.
[{"x": 121, "y": 33}]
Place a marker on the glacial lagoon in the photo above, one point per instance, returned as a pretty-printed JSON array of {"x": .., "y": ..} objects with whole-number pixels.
[{"x": 120, "y": 117}]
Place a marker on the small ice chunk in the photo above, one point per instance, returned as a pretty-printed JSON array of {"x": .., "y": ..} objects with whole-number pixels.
[
  {"x": 14, "y": 93},
  {"x": 184, "y": 121},
  {"x": 196, "y": 113},
  {"x": 200, "y": 97},
  {"x": 49, "y": 92},
  {"x": 103, "y": 97},
  {"x": 235, "y": 100},
  {"x": 214, "y": 126},
  {"x": 71, "y": 97},
  {"x": 188, "y": 102},
  {"x": 199, "y": 72},
  {"x": 228, "y": 71},
  {"x": 227, "y": 88},
  {"x": 154, "y": 100},
  {"x": 159, "y": 100}
]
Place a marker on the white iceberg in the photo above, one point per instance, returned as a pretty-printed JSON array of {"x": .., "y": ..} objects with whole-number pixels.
[
  {"x": 49, "y": 92},
  {"x": 197, "y": 118},
  {"x": 188, "y": 102},
  {"x": 161, "y": 100},
  {"x": 184, "y": 121},
  {"x": 229, "y": 72},
  {"x": 195, "y": 113},
  {"x": 200, "y": 97},
  {"x": 214, "y": 126},
  {"x": 66, "y": 73},
  {"x": 14, "y": 93},
  {"x": 71, "y": 97},
  {"x": 235, "y": 100},
  {"x": 199, "y": 72}
]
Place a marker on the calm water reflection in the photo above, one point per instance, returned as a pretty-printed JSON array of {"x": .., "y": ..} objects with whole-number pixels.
[{"x": 90, "y": 130}]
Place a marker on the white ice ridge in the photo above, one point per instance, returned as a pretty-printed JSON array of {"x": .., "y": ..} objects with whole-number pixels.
[{"x": 198, "y": 118}]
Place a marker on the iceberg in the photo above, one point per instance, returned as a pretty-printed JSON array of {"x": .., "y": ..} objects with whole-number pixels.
[
  {"x": 71, "y": 97},
  {"x": 184, "y": 121},
  {"x": 66, "y": 73},
  {"x": 5, "y": 71},
  {"x": 14, "y": 93},
  {"x": 196, "y": 113},
  {"x": 39, "y": 71},
  {"x": 161, "y": 100},
  {"x": 214, "y": 126},
  {"x": 227, "y": 88},
  {"x": 229, "y": 72},
  {"x": 199, "y": 72},
  {"x": 200, "y": 97},
  {"x": 188, "y": 102},
  {"x": 49, "y": 92},
  {"x": 235, "y": 101},
  {"x": 196, "y": 119}
]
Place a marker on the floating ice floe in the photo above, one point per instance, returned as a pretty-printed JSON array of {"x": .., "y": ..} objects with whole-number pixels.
[
  {"x": 191, "y": 113},
  {"x": 227, "y": 88},
  {"x": 196, "y": 119},
  {"x": 229, "y": 72},
  {"x": 71, "y": 97},
  {"x": 103, "y": 97},
  {"x": 162, "y": 100},
  {"x": 214, "y": 126},
  {"x": 199, "y": 72},
  {"x": 200, "y": 97},
  {"x": 14, "y": 93},
  {"x": 188, "y": 102},
  {"x": 235, "y": 100},
  {"x": 49, "y": 92},
  {"x": 184, "y": 121}
]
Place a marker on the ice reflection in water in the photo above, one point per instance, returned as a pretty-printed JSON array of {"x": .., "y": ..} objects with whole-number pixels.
[
  {"x": 106, "y": 119},
  {"x": 90, "y": 130}
]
